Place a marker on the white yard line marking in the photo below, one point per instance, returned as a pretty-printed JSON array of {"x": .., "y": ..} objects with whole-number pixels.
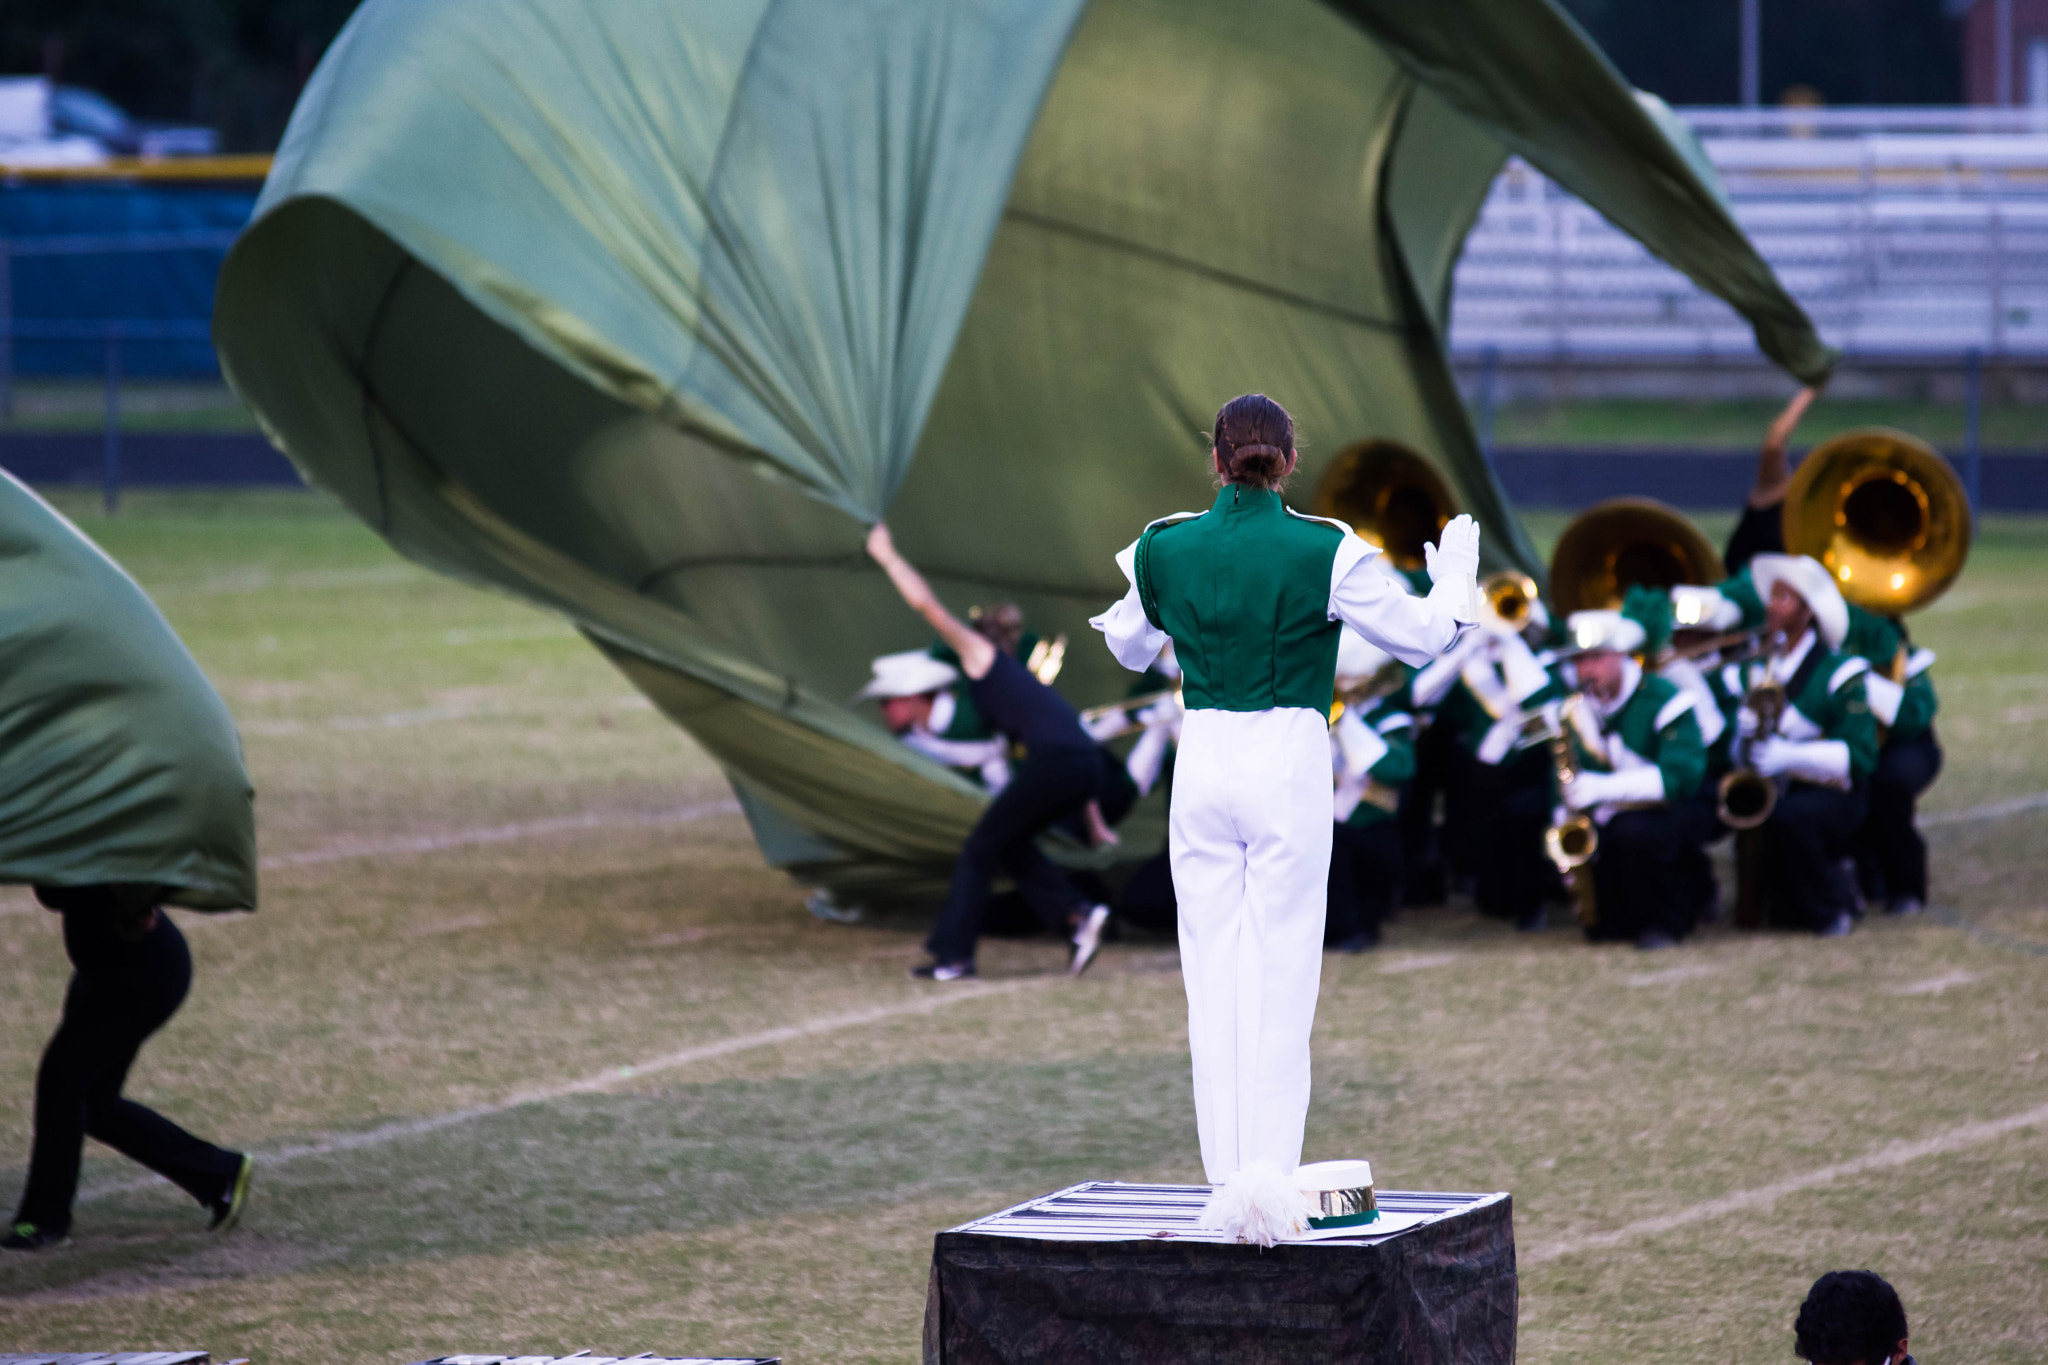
[
  {"x": 1894, "y": 1154},
  {"x": 1417, "y": 962},
  {"x": 1935, "y": 985},
  {"x": 598, "y": 1081},
  {"x": 496, "y": 834},
  {"x": 434, "y": 715},
  {"x": 1991, "y": 811},
  {"x": 1686, "y": 973},
  {"x": 453, "y": 926}
]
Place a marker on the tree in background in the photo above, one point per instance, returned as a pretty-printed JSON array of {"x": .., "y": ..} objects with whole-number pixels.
[
  {"x": 1848, "y": 51},
  {"x": 234, "y": 65}
]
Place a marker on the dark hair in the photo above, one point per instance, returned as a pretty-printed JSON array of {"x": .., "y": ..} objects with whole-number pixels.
[
  {"x": 1254, "y": 438},
  {"x": 1849, "y": 1316}
]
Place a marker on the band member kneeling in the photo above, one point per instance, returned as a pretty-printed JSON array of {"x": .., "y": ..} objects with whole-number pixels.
[{"x": 1641, "y": 729}]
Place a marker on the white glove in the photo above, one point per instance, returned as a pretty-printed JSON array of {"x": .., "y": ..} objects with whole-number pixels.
[
  {"x": 1885, "y": 696},
  {"x": 1772, "y": 755},
  {"x": 1499, "y": 740},
  {"x": 1745, "y": 722},
  {"x": 1453, "y": 564},
  {"x": 1598, "y": 789}
]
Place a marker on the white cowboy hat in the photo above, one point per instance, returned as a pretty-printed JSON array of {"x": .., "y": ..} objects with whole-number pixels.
[
  {"x": 1358, "y": 657},
  {"x": 909, "y": 674},
  {"x": 1815, "y": 585},
  {"x": 1592, "y": 630}
]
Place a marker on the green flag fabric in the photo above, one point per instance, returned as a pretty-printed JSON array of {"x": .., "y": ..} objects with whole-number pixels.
[
  {"x": 644, "y": 311},
  {"x": 118, "y": 760}
]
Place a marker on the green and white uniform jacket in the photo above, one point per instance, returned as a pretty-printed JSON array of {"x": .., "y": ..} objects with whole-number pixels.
[
  {"x": 1826, "y": 700},
  {"x": 1649, "y": 728}
]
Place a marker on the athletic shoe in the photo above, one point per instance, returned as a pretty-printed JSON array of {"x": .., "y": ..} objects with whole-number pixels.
[
  {"x": 1652, "y": 940},
  {"x": 1087, "y": 940},
  {"x": 944, "y": 971},
  {"x": 1905, "y": 905},
  {"x": 29, "y": 1237},
  {"x": 1839, "y": 926},
  {"x": 227, "y": 1210}
]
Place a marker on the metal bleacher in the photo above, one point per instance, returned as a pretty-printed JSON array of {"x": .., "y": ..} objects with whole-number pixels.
[{"x": 1908, "y": 234}]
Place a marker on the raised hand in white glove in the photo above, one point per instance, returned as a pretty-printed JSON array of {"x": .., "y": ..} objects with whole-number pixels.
[
  {"x": 1772, "y": 755},
  {"x": 1456, "y": 552},
  {"x": 1453, "y": 564}
]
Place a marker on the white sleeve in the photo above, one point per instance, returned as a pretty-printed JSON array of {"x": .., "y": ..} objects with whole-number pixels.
[
  {"x": 1132, "y": 639},
  {"x": 1412, "y": 629}
]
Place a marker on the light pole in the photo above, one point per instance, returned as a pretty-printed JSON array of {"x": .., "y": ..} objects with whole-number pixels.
[{"x": 1752, "y": 52}]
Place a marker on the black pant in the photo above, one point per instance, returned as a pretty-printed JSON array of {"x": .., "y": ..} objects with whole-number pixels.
[
  {"x": 1811, "y": 831},
  {"x": 1891, "y": 857},
  {"x": 1044, "y": 789},
  {"x": 1147, "y": 899},
  {"x": 1365, "y": 869},
  {"x": 123, "y": 990},
  {"x": 1639, "y": 876},
  {"x": 1512, "y": 806}
]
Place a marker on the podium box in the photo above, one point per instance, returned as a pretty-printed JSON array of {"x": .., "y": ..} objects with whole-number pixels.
[{"x": 1105, "y": 1272}]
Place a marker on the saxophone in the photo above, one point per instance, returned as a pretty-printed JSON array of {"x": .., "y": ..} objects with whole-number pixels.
[
  {"x": 1746, "y": 798},
  {"x": 1573, "y": 838}
]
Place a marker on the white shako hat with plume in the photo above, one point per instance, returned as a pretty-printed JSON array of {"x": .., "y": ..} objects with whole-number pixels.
[
  {"x": 1809, "y": 578},
  {"x": 1605, "y": 629},
  {"x": 909, "y": 674}
]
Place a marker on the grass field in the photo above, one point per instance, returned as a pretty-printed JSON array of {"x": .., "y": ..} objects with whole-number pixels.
[{"x": 442, "y": 1053}]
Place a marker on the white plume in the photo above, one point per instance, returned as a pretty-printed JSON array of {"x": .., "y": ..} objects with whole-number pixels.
[{"x": 1260, "y": 1203}]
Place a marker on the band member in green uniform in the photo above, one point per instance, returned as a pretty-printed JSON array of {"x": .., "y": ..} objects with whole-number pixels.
[
  {"x": 1645, "y": 741},
  {"x": 1821, "y": 747}
]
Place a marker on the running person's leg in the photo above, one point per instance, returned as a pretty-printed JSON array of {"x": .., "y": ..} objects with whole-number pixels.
[{"x": 1044, "y": 789}]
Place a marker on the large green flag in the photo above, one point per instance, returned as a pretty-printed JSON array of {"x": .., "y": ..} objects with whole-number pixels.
[
  {"x": 118, "y": 760},
  {"x": 644, "y": 311}
]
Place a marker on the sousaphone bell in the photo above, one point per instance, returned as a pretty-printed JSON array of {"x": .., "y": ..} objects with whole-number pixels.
[
  {"x": 1623, "y": 543},
  {"x": 1390, "y": 495},
  {"x": 1885, "y": 513}
]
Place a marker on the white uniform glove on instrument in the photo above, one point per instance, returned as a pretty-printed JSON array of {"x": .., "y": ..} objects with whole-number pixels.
[
  {"x": 1825, "y": 761},
  {"x": 1599, "y": 789},
  {"x": 1453, "y": 564},
  {"x": 1499, "y": 740},
  {"x": 1885, "y": 696}
]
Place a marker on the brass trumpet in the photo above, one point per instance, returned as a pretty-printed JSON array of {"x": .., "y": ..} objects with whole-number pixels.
[
  {"x": 1746, "y": 798},
  {"x": 1126, "y": 708},
  {"x": 1510, "y": 594}
]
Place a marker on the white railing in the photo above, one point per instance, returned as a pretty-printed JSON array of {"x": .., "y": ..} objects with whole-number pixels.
[{"x": 1920, "y": 243}]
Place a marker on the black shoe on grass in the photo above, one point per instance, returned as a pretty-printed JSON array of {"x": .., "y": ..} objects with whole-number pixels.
[
  {"x": 945, "y": 971},
  {"x": 29, "y": 1237},
  {"x": 227, "y": 1210}
]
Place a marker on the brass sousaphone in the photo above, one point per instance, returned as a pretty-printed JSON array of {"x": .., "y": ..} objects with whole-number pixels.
[
  {"x": 1885, "y": 513},
  {"x": 1390, "y": 495},
  {"x": 1624, "y": 542}
]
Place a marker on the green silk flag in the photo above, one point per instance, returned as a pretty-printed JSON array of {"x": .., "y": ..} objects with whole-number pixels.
[
  {"x": 644, "y": 311},
  {"x": 118, "y": 760}
]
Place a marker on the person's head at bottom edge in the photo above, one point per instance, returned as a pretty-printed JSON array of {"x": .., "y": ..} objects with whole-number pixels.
[{"x": 1851, "y": 1317}]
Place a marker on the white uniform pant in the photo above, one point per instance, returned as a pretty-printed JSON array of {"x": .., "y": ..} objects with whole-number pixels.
[{"x": 1250, "y": 848}]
